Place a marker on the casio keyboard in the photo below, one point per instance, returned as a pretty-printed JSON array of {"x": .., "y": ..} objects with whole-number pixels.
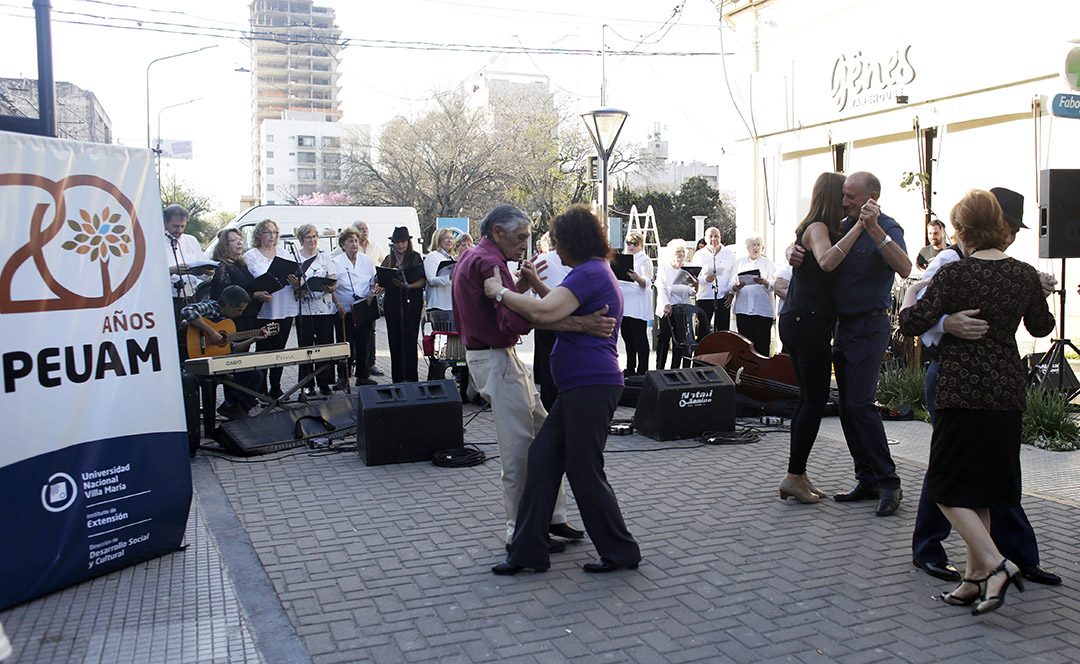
[{"x": 221, "y": 367}]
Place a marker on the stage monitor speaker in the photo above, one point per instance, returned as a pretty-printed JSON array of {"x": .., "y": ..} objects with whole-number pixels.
[
  {"x": 272, "y": 431},
  {"x": 1059, "y": 213},
  {"x": 683, "y": 403},
  {"x": 1047, "y": 376},
  {"x": 405, "y": 422}
]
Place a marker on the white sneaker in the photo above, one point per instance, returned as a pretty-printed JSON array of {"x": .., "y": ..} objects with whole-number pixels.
[{"x": 5, "y": 644}]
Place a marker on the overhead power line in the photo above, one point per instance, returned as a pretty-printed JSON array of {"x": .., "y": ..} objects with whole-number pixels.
[{"x": 166, "y": 27}]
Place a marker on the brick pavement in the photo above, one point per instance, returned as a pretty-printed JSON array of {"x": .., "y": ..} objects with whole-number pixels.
[{"x": 391, "y": 564}]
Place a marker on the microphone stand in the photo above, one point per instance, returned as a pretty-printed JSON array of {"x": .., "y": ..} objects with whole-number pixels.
[
  {"x": 299, "y": 294},
  {"x": 178, "y": 260}
]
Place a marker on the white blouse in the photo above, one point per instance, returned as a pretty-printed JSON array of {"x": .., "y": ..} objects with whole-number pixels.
[
  {"x": 283, "y": 305},
  {"x": 637, "y": 300},
  {"x": 754, "y": 299},
  {"x": 318, "y": 302},
  {"x": 667, "y": 292},
  {"x": 355, "y": 280},
  {"x": 438, "y": 288}
]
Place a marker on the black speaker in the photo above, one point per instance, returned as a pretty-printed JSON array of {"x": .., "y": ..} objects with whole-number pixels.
[
  {"x": 406, "y": 422},
  {"x": 683, "y": 403},
  {"x": 1059, "y": 213},
  {"x": 280, "y": 429},
  {"x": 1056, "y": 377}
]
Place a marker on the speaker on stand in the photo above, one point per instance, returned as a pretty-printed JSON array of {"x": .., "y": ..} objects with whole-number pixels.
[{"x": 1059, "y": 237}]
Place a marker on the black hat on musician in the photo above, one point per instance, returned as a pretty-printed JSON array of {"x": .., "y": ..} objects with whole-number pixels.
[
  {"x": 400, "y": 233},
  {"x": 1012, "y": 206}
]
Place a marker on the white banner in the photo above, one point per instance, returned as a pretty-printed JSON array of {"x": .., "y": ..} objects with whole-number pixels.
[{"x": 93, "y": 461}]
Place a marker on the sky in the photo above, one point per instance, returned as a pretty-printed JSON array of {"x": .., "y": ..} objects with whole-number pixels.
[{"x": 684, "y": 95}]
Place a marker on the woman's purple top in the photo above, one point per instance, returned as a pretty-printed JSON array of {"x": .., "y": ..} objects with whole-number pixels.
[{"x": 580, "y": 359}]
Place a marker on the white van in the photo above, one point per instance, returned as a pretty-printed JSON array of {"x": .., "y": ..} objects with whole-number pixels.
[{"x": 330, "y": 220}]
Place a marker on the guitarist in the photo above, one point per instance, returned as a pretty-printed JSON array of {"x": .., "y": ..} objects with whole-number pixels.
[{"x": 230, "y": 304}]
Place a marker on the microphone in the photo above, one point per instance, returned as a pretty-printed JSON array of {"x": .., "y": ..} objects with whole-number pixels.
[{"x": 172, "y": 240}]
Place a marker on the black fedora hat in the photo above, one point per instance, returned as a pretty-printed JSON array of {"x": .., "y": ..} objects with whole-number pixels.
[
  {"x": 400, "y": 233},
  {"x": 1012, "y": 205}
]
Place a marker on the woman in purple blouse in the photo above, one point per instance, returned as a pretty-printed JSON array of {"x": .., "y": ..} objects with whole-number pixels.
[{"x": 587, "y": 374}]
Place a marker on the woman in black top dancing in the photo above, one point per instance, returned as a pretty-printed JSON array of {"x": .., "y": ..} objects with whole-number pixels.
[{"x": 807, "y": 321}]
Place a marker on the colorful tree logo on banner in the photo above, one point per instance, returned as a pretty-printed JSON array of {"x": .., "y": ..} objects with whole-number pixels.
[{"x": 112, "y": 233}]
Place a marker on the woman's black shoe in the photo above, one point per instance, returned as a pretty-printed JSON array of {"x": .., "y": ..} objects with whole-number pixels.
[
  {"x": 275, "y": 393},
  {"x": 604, "y": 565},
  {"x": 994, "y": 602},
  {"x": 506, "y": 569}
]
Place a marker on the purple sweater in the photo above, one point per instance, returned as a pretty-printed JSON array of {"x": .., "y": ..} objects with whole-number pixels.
[{"x": 579, "y": 359}]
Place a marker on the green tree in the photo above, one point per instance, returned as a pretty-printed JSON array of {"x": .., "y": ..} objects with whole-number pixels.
[
  {"x": 201, "y": 222},
  {"x": 697, "y": 197}
]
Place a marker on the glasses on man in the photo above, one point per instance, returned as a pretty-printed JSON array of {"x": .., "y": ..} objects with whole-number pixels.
[{"x": 632, "y": 243}]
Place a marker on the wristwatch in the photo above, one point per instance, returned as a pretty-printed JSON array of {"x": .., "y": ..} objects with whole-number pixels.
[
  {"x": 881, "y": 245},
  {"x": 499, "y": 297}
]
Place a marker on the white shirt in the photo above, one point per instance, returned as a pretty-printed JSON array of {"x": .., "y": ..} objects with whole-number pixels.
[
  {"x": 284, "y": 304},
  {"x": 719, "y": 265},
  {"x": 438, "y": 288},
  {"x": 754, "y": 299},
  {"x": 318, "y": 302},
  {"x": 556, "y": 271},
  {"x": 355, "y": 280},
  {"x": 187, "y": 251},
  {"x": 637, "y": 300},
  {"x": 376, "y": 252},
  {"x": 932, "y": 337},
  {"x": 785, "y": 274},
  {"x": 669, "y": 293}
]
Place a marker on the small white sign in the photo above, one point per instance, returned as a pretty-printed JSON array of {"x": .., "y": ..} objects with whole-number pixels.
[{"x": 174, "y": 149}]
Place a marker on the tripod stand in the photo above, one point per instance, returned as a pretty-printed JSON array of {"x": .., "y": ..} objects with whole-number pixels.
[{"x": 1050, "y": 372}]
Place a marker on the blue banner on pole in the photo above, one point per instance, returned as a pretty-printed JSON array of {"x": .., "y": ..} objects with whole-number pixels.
[{"x": 1066, "y": 106}]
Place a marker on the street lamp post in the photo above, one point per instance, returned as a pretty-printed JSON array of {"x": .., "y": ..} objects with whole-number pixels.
[
  {"x": 151, "y": 64},
  {"x": 604, "y": 125}
]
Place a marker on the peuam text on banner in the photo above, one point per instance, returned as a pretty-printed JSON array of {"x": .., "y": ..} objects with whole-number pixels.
[{"x": 94, "y": 473}]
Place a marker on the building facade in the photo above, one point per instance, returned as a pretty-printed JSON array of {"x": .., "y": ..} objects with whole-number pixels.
[
  {"x": 957, "y": 91},
  {"x": 294, "y": 66},
  {"x": 79, "y": 114},
  {"x": 303, "y": 154}
]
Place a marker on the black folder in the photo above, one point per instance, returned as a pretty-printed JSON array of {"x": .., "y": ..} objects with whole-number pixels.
[
  {"x": 623, "y": 265},
  {"x": 385, "y": 276}
]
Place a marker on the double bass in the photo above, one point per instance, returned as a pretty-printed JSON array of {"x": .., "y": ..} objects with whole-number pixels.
[{"x": 758, "y": 377}]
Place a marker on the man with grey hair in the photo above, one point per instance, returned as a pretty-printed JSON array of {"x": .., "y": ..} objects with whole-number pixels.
[
  {"x": 182, "y": 249},
  {"x": 490, "y": 333},
  {"x": 863, "y": 295}
]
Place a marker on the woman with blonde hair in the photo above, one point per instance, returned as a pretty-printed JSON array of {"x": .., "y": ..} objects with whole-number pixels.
[
  {"x": 318, "y": 313},
  {"x": 637, "y": 306},
  {"x": 981, "y": 391},
  {"x": 439, "y": 302},
  {"x": 674, "y": 287},
  {"x": 282, "y": 306},
  {"x": 753, "y": 301},
  {"x": 463, "y": 243}
]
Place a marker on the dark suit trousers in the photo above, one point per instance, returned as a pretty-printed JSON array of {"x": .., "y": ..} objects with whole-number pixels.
[
  {"x": 716, "y": 317},
  {"x": 1009, "y": 526},
  {"x": 858, "y": 350},
  {"x": 544, "y": 341},
  {"x": 571, "y": 441}
]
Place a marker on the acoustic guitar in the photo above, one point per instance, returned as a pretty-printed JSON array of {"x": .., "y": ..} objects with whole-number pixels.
[
  {"x": 758, "y": 377},
  {"x": 200, "y": 346}
]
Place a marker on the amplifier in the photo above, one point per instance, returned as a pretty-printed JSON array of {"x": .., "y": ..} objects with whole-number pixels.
[
  {"x": 684, "y": 403},
  {"x": 405, "y": 422}
]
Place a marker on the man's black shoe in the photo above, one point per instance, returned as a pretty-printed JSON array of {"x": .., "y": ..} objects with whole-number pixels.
[
  {"x": 603, "y": 566},
  {"x": 506, "y": 569},
  {"x": 1037, "y": 574},
  {"x": 889, "y": 502},
  {"x": 564, "y": 531},
  {"x": 861, "y": 491},
  {"x": 943, "y": 571},
  {"x": 553, "y": 546}
]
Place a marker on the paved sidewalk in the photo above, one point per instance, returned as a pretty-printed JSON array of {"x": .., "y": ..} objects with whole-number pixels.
[{"x": 340, "y": 562}]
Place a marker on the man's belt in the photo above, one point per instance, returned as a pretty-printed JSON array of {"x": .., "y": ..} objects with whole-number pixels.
[
  {"x": 845, "y": 318},
  {"x": 477, "y": 347}
]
